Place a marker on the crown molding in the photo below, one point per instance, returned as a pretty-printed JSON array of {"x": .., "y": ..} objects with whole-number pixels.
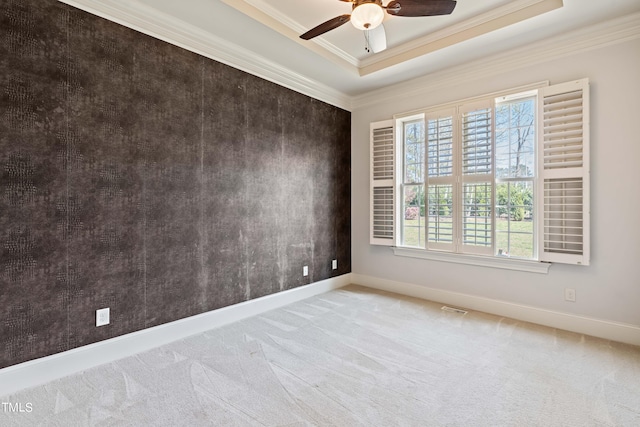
[
  {"x": 494, "y": 19},
  {"x": 266, "y": 14},
  {"x": 149, "y": 21},
  {"x": 134, "y": 15},
  {"x": 601, "y": 35},
  {"x": 270, "y": 17}
]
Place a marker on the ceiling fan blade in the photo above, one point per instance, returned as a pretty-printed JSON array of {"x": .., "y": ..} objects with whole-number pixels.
[
  {"x": 420, "y": 7},
  {"x": 377, "y": 39},
  {"x": 331, "y": 24}
]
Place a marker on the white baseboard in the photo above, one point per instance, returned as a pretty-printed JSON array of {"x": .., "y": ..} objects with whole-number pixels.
[
  {"x": 43, "y": 370},
  {"x": 49, "y": 368},
  {"x": 609, "y": 330}
]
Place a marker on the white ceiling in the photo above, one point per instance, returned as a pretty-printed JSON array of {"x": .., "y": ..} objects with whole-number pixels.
[{"x": 263, "y": 34}]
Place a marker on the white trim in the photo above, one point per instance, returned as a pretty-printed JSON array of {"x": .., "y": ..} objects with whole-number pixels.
[
  {"x": 604, "y": 34},
  {"x": 477, "y": 260},
  {"x": 498, "y": 17},
  {"x": 268, "y": 15},
  {"x": 615, "y": 331},
  {"x": 149, "y": 21},
  {"x": 432, "y": 111},
  {"x": 45, "y": 369}
]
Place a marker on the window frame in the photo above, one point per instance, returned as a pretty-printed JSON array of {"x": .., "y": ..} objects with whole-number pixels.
[
  {"x": 562, "y": 193},
  {"x": 438, "y": 181},
  {"x": 475, "y": 178},
  {"x": 404, "y": 183},
  {"x": 453, "y": 252},
  {"x": 460, "y": 178},
  {"x": 534, "y": 180}
]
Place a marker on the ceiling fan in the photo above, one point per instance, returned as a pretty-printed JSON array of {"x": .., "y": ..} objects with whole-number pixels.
[{"x": 367, "y": 15}]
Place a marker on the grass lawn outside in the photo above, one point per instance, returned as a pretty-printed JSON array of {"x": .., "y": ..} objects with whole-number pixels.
[{"x": 515, "y": 238}]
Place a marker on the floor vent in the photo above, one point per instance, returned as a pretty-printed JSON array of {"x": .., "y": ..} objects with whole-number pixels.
[{"x": 454, "y": 310}]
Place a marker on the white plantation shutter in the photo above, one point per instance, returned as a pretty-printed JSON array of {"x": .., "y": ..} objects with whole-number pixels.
[
  {"x": 476, "y": 197},
  {"x": 383, "y": 188},
  {"x": 477, "y": 131},
  {"x": 563, "y": 159},
  {"x": 441, "y": 179}
]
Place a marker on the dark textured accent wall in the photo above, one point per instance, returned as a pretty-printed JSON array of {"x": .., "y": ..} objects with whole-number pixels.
[{"x": 143, "y": 177}]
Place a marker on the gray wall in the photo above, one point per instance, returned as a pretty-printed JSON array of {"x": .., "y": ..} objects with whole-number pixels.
[
  {"x": 142, "y": 177},
  {"x": 608, "y": 289}
]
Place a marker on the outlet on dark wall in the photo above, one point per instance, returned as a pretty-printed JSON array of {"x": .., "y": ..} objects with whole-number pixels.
[{"x": 142, "y": 177}]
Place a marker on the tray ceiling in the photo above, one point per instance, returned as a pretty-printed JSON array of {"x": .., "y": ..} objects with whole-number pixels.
[{"x": 407, "y": 38}]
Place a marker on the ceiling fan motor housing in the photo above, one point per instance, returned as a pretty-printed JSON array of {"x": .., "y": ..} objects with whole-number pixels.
[{"x": 357, "y": 3}]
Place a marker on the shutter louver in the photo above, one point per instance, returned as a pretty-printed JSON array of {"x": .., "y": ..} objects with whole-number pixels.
[
  {"x": 383, "y": 213},
  {"x": 441, "y": 180},
  {"x": 563, "y": 220},
  {"x": 475, "y": 199},
  {"x": 383, "y": 193},
  {"x": 382, "y": 153},
  {"x": 563, "y": 133},
  {"x": 564, "y": 171},
  {"x": 476, "y": 141}
]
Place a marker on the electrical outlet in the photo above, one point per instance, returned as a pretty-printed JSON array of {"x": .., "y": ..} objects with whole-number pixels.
[
  {"x": 570, "y": 294},
  {"x": 102, "y": 316},
  {"x": 334, "y": 264},
  {"x": 305, "y": 271}
]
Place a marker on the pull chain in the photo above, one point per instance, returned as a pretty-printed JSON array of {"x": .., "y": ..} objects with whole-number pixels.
[{"x": 367, "y": 45}]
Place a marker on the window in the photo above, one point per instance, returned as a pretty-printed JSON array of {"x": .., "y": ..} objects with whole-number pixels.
[
  {"x": 413, "y": 222},
  {"x": 515, "y": 176},
  {"x": 500, "y": 176}
]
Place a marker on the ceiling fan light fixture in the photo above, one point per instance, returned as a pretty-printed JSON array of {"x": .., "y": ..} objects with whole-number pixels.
[{"x": 367, "y": 16}]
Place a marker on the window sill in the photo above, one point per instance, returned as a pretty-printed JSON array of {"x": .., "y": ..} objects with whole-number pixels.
[{"x": 483, "y": 261}]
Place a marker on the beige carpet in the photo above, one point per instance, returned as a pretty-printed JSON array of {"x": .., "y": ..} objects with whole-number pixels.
[{"x": 355, "y": 357}]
